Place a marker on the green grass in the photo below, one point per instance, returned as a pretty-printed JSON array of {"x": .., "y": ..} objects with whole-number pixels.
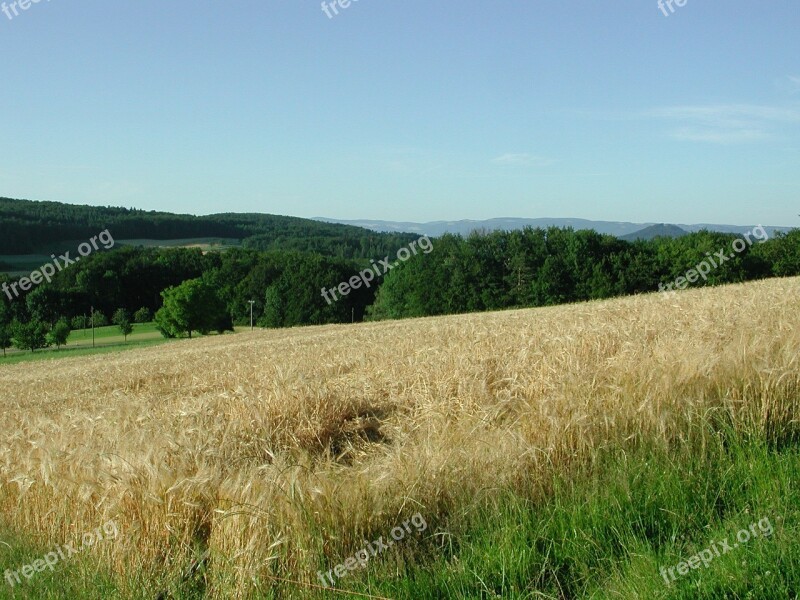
[
  {"x": 73, "y": 577},
  {"x": 606, "y": 533},
  {"x": 107, "y": 339},
  {"x": 603, "y": 533},
  {"x": 70, "y": 352},
  {"x": 207, "y": 243},
  {"x": 111, "y": 333},
  {"x": 22, "y": 265},
  {"x": 79, "y": 343}
]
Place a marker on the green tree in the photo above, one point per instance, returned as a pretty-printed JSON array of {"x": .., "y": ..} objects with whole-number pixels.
[
  {"x": 99, "y": 319},
  {"x": 29, "y": 336},
  {"x": 44, "y": 303},
  {"x": 122, "y": 319},
  {"x": 192, "y": 306},
  {"x": 295, "y": 298},
  {"x": 779, "y": 257},
  {"x": 143, "y": 315},
  {"x": 5, "y": 337},
  {"x": 79, "y": 322},
  {"x": 273, "y": 307},
  {"x": 167, "y": 324},
  {"x": 554, "y": 284},
  {"x": 5, "y": 325},
  {"x": 59, "y": 333}
]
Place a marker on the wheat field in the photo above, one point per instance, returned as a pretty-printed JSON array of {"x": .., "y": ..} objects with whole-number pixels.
[{"x": 276, "y": 453}]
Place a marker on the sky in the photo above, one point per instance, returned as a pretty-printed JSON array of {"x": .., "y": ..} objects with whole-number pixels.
[{"x": 407, "y": 110}]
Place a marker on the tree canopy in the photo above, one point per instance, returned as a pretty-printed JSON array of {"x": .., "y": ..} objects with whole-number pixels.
[{"x": 191, "y": 306}]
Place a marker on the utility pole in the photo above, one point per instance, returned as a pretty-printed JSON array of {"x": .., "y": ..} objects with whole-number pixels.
[
  {"x": 251, "y": 313},
  {"x": 92, "y": 326}
]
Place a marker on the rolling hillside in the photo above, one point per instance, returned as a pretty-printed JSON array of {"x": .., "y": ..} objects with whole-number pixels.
[
  {"x": 555, "y": 452},
  {"x": 35, "y": 228},
  {"x": 654, "y": 231}
]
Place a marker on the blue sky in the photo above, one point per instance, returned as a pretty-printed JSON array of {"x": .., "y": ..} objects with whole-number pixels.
[{"x": 413, "y": 110}]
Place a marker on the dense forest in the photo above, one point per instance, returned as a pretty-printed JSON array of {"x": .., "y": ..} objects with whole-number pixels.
[
  {"x": 536, "y": 267},
  {"x": 26, "y": 227},
  {"x": 284, "y": 263},
  {"x": 133, "y": 278},
  {"x": 531, "y": 267}
]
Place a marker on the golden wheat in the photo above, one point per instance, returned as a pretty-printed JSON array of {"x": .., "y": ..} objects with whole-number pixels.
[{"x": 275, "y": 448}]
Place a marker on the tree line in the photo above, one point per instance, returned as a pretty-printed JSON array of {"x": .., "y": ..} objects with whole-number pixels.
[
  {"x": 27, "y": 227},
  {"x": 541, "y": 267},
  {"x": 188, "y": 290}
]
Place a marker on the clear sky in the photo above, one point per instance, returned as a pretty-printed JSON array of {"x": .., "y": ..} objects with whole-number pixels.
[{"x": 411, "y": 110}]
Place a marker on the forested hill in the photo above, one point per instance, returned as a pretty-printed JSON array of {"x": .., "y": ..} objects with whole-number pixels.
[{"x": 26, "y": 226}]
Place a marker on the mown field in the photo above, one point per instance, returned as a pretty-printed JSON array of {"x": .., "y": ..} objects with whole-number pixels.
[
  {"x": 79, "y": 343},
  {"x": 565, "y": 452},
  {"x": 111, "y": 334},
  {"x": 23, "y": 264}
]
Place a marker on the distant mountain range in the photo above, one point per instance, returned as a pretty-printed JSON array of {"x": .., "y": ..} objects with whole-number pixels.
[
  {"x": 620, "y": 229},
  {"x": 654, "y": 231}
]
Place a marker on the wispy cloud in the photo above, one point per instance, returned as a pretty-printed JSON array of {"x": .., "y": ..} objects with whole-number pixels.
[
  {"x": 726, "y": 123},
  {"x": 712, "y": 136},
  {"x": 523, "y": 160}
]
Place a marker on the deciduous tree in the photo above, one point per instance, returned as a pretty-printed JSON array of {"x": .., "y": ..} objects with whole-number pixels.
[
  {"x": 191, "y": 306},
  {"x": 29, "y": 336},
  {"x": 59, "y": 334},
  {"x": 122, "y": 320}
]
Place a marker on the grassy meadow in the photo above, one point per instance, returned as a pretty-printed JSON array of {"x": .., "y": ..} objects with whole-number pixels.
[
  {"x": 23, "y": 264},
  {"x": 106, "y": 339},
  {"x": 564, "y": 452},
  {"x": 110, "y": 334}
]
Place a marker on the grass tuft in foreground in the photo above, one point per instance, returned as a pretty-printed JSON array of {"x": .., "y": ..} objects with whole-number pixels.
[{"x": 607, "y": 533}]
